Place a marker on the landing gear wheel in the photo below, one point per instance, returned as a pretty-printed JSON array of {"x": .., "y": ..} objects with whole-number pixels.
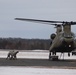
[
  {"x": 49, "y": 55},
  {"x": 69, "y": 54}
]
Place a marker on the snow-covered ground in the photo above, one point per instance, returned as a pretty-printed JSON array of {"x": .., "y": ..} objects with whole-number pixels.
[
  {"x": 34, "y": 70},
  {"x": 37, "y": 54}
]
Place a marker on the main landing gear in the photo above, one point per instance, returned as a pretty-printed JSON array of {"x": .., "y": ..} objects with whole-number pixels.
[{"x": 52, "y": 56}]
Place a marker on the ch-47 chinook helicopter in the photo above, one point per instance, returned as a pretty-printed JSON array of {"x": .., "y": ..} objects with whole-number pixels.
[{"x": 63, "y": 40}]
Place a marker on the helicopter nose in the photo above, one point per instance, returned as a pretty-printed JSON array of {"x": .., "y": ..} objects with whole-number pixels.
[{"x": 68, "y": 45}]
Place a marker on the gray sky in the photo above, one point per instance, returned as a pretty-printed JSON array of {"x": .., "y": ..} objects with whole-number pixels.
[{"x": 63, "y": 10}]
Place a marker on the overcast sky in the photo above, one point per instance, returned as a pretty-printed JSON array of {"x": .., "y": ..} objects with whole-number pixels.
[{"x": 63, "y": 10}]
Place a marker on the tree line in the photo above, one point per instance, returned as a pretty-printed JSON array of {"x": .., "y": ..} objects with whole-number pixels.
[{"x": 24, "y": 44}]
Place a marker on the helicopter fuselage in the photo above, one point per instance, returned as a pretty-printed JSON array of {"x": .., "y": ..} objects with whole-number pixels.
[{"x": 63, "y": 43}]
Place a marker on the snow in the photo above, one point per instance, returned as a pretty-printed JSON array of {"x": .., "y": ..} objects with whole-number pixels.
[
  {"x": 35, "y": 71},
  {"x": 12, "y": 70},
  {"x": 35, "y": 54}
]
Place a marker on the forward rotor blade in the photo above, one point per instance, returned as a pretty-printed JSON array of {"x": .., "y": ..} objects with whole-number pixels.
[
  {"x": 46, "y": 21},
  {"x": 36, "y": 20}
]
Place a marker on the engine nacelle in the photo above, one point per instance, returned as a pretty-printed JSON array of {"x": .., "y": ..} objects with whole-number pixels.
[{"x": 52, "y": 36}]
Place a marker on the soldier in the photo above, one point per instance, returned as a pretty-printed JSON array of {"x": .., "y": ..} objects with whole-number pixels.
[{"x": 12, "y": 55}]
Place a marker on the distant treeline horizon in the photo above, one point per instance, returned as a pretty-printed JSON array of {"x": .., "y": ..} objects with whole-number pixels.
[{"x": 24, "y": 44}]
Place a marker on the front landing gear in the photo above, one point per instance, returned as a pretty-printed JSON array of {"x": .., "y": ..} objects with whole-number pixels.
[{"x": 53, "y": 56}]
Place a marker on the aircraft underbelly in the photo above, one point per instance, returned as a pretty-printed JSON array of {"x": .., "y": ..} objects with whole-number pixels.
[{"x": 64, "y": 47}]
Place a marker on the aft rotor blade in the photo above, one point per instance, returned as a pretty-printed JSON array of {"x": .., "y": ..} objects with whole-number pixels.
[{"x": 36, "y": 20}]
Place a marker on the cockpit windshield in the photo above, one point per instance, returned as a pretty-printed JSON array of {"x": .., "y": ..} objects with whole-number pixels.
[{"x": 68, "y": 35}]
